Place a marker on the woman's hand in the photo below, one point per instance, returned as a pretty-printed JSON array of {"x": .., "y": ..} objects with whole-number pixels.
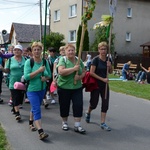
[
  {"x": 108, "y": 64},
  {"x": 76, "y": 67},
  {"x": 41, "y": 69},
  {"x": 106, "y": 80},
  {"x": 77, "y": 77},
  {"x": 43, "y": 78}
]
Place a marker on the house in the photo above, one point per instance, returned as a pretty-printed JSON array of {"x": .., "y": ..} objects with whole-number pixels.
[
  {"x": 131, "y": 22},
  {"x": 24, "y": 34}
]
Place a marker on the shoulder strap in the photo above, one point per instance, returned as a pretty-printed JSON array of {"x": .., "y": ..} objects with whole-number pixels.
[
  {"x": 31, "y": 62},
  {"x": 9, "y": 62}
]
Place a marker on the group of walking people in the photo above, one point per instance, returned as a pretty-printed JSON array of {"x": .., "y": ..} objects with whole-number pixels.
[{"x": 68, "y": 79}]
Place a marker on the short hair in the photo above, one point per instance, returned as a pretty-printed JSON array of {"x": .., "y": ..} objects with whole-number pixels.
[
  {"x": 69, "y": 45},
  {"x": 103, "y": 44},
  {"x": 61, "y": 48},
  {"x": 29, "y": 48},
  {"x": 51, "y": 49},
  {"x": 39, "y": 44}
]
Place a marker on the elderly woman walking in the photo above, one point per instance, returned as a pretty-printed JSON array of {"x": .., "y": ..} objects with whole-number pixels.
[
  {"x": 15, "y": 67},
  {"x": 68, "y": 91},
  {"x": 37, "y": 75}
]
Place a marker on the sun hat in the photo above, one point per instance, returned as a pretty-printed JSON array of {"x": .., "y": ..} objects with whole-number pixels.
[{"x": 18, "y": 47}]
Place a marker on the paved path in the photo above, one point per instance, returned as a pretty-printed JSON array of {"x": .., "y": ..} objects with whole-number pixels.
[{"x": 129, "y": 118}]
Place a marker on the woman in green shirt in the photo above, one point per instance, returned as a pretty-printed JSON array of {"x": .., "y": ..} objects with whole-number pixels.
[
  {"x": 15, "y": 67},
  {"x": 67, "y": 90},
  {"x": 37, "y": 75}
]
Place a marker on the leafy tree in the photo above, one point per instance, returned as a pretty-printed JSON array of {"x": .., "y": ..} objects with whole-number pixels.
[
  {"x": 86, "y": 39},
  {"x": 54, "y": 39},
  {"x": 100, "y": 35}
]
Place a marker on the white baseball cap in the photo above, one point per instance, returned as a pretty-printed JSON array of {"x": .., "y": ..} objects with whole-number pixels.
[{"x": 18, "y": 47}]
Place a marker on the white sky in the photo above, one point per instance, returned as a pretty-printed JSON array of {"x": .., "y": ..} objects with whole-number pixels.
[{"x": 20, "y": 11}]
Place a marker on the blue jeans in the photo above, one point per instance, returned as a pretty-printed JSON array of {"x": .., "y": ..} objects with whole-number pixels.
[
  {"x": 124, "y": 75},
  {"x": 36, "y": 98},
  {"x": 141, "y": 76}
]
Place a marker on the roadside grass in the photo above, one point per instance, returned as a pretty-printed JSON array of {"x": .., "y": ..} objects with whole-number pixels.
[
  {"x": 3, "y": 140},
  {"x": 130, "y": 88}
]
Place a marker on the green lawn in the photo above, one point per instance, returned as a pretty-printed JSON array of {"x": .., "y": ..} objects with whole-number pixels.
[
  {"x": 3, "y": 140},
  {"x": 130, "y": 87}
]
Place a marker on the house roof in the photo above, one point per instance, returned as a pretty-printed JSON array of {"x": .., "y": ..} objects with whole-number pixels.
[
  {"x": 145, "y": 44},
  {"x": 27, "y": 32}
]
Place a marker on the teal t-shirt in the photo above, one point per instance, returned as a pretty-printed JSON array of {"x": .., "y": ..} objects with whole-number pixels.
[
  {"x": 35, "y": 84},
  {"x": 67, "y": 82},
  {"x": 16, "y": 70}
]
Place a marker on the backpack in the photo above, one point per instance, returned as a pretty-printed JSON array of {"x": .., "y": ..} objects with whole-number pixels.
[{"x": 56, "y": 74}]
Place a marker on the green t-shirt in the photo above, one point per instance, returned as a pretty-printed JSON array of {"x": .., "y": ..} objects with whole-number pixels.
[
  {"x": 67, "y": 82},
  {"x": 35, "y": 84},
  {"x": 16, "y": 70}
]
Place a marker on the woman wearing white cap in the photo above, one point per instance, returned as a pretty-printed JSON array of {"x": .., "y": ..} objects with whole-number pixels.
[{"x": 15, "y": 67}]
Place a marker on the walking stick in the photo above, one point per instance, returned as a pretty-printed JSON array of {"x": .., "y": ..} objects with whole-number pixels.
[
  {"x": 89, "y": 8},
  {"x": 44, "y": 36}
]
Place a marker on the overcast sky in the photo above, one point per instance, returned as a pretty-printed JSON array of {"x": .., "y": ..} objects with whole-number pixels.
[{"x": 20, "y": 11}]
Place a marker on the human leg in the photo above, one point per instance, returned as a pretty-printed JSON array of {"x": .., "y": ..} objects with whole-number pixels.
[
  {"x": 64, "y": 105},
  {"x": 77, "y": 105},
  {"x": 104, "y": 108},
  {"x": 94, "y": 99},
  {"x": 17, "y": 98},
  {"x": 138, "y": 75},
  {"x": 36, "y": 101}
]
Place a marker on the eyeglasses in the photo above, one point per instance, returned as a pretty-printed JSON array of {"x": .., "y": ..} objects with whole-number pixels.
[{"x": 103, "y": 49}]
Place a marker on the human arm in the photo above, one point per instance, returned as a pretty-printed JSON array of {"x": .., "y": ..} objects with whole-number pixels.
[
  {"x": 6, "y": 55},
  {"x": 109, "y": 66},
  {"x": 93, "y": 74},
  {"x": 143, "y": 68}
]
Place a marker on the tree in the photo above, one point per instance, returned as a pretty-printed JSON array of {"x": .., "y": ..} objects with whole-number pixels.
[
  {"x": 86, "y": 39},
  {"x": 54, "y": 39},
  {"x": 100, "y": 36}
]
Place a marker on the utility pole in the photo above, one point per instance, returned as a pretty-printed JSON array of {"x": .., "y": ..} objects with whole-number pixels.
[
  {"x": 49, "y": 16},
  {"x": 41, "y": 30}
]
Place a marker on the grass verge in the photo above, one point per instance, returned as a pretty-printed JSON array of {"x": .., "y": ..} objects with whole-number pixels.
[
  {"x": 130, "y": 87},
  {"x": 3, "y": 140}
]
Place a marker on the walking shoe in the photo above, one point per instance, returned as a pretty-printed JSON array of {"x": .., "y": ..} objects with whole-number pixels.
[
  {"x": 43, "y": 135},
  {"x": 10, "y": 102},
  {"x": 1, "y": 100},
  {"x": 65, "y": 127},
  {"x": 87, "y": 117},
  {"x": 26, "y": 101},
  {"x": 48, "y": 97},
  {"x": 53, "y": 101},
  {"x": 13, "y": 112},
  {"x": 20, "y": 106},
  {"x": 46, "y": 105},
  {"x": 105, "y": 127},
  {"x": 79, "y": 129},
  {"x": 18, "y": 117}
]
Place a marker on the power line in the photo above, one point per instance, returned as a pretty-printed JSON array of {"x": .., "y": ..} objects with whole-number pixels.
[
  {"x": 9, "y": 1},
  {"x": 18, "y": 6}
]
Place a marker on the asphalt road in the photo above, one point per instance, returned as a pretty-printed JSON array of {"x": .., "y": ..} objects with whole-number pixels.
[{"x": 129, "y": 118}]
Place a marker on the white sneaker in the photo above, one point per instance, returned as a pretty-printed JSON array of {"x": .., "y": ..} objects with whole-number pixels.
[
  {"x": 48, "y": 97},
  {"x": 53, "y": 101}
]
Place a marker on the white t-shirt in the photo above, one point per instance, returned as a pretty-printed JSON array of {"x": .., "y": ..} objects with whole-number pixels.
[{"x": 88, "y": 58}]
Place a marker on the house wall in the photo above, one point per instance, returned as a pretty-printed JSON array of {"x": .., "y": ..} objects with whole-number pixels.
[
  {"x": 137, "y": 25},
  {"x": 65, "y": 24}
]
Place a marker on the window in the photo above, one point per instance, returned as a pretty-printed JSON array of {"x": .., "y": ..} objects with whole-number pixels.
[
  {"x": 72, "y": 36},
  {"x": 73, "y": 11},
  {"x": 129, "y": 12},
  {"x": 57, "y": 15},
  {"x": 128, "y": 36}
]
